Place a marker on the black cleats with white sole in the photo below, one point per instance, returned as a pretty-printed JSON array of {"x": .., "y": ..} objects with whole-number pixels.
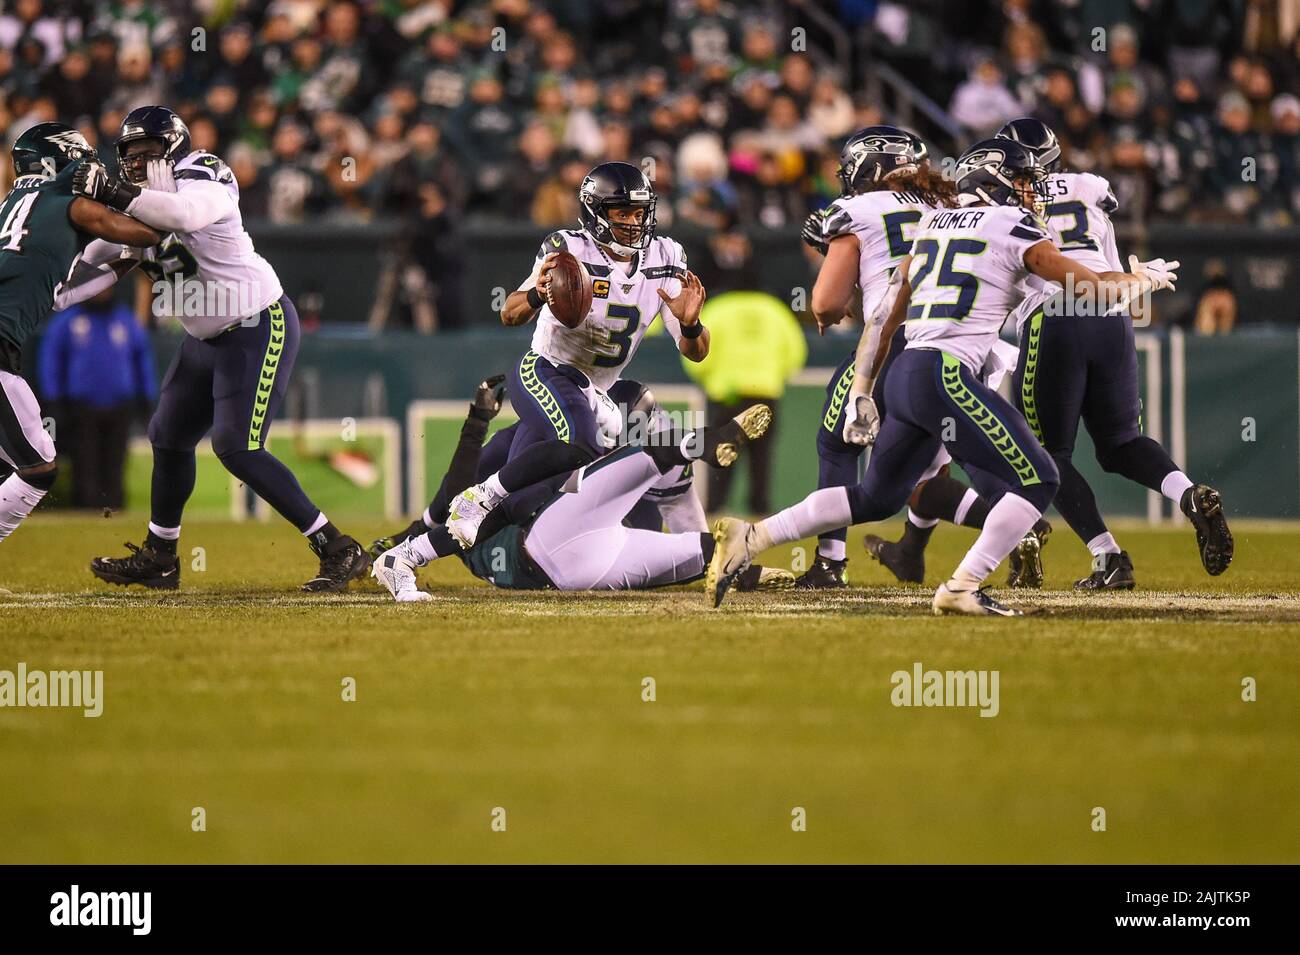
[
  {"x": 824, "y": 574},
  {"x": 1203, "y": 506},
  {"x": 906, "y": 566},
  {"x": 1109, "y": 572},
  {"x": 342, "y": 561},
  {"x": 145, "y": 566}
]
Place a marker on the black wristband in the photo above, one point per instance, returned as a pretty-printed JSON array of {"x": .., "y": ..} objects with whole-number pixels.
[
  {"x": 535, "y": 299},
  {"x": 693, "y": 331}
]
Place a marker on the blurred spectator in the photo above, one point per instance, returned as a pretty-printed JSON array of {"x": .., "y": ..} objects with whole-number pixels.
[
  {"x": 295, "y": 187},
  {"x": 556, "y": 202},
  {"x": 483, "y": 133},
  {"x": 295, "y": 87},
  {"x": 983, "y": 103},
  {"x": 757, "y": 348},
  {"x": 1285, "y": 115},
  {"x": 95, "y": 367},
  {"x": 1216, "y": 310},
  {"x": 28, "y": 18}
]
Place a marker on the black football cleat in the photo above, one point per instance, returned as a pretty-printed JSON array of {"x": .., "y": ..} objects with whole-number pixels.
[
  {"x": 414, "y": 529},
  {"x": 908, "y": 567},
  {"x": 824, "y": 574},
  {"x": 1026, "y": 561},
  {"x": 147, "y": 567},
  {"x": 342, "y": 561},
  {"x": 1203, "y": 506},
  {"x": 1109, "y": 572}
]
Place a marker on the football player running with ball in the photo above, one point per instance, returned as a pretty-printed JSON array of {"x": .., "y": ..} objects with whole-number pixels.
[
  {"x": 1084, "y": 367},
  {"x": 964, "y": 274},
  {"x": 232, "y": 370},
  {"x": 559, "y": 386}
]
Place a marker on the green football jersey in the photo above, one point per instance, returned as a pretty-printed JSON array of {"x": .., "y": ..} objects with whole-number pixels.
[
  {"x": 499, "y": 561},
  {"x": 38, "y": 245}
]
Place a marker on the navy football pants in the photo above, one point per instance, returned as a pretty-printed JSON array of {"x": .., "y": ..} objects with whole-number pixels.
[
  {"x": 935, "y": 400},
  {"x": 232, "y": 386},
  {"x": 1075, "y": 368}
]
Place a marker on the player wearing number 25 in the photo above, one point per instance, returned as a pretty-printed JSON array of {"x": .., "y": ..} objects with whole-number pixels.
[{"x": 557, "y": 387}]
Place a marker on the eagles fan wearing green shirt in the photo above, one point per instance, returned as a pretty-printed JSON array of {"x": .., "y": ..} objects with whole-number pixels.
[{"x": 43, "y": 228}]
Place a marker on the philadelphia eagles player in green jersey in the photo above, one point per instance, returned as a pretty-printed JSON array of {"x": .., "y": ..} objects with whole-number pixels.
[{"x": 43, "y": 228}]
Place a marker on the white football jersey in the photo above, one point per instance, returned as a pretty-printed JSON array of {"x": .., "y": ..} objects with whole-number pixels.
[
  {"x": 1079, "y": 207},
  {"x": 236, "y": 282},
  {"x": 625, "y": 300},
  {"x": 884, "y": 223},
  {"x": 967, "y": 273}
]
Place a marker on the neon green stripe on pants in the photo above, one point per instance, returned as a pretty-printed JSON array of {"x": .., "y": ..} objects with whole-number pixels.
[
  {"x": 266, "y": 380},
  {"x": 980, "y": 413},
  {"x": 542, "y": 395},
  {"x": 1027, "y": 400}
]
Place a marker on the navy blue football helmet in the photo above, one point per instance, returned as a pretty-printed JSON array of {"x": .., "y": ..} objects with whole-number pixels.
[
  {"x": 151, "y": 123},
  {"x": 617, "y": 185},
  {"x": 992, "y": 171},
  {"x": 873, "y": 153},
  {"x": 1037, "y": 136}
]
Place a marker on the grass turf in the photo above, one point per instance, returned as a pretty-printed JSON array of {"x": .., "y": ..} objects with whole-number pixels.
[{"x": 227, "y": 696}]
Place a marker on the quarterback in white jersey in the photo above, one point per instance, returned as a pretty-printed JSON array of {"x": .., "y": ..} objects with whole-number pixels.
[
  {"x": 965, "y": 269},
  {"x": 232, "y": 370},
  {"x": 625, "y": 301},
  {"x": 557, "y": 387}
]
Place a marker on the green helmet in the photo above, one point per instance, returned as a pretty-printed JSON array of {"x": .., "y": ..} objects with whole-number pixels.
[{"x": 46, "y": 148}]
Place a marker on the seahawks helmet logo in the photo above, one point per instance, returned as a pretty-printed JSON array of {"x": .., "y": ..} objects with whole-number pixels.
[{"x": 981, "y": 158}]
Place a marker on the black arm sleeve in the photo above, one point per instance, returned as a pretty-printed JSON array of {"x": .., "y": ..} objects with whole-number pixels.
[{"x": 463, "y": 468}]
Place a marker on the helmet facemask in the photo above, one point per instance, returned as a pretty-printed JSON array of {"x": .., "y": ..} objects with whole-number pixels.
[
  {"x": 134, "y": 162},
  {"x": 623, "y": 238},
  {"x": 985, "y": 177}
]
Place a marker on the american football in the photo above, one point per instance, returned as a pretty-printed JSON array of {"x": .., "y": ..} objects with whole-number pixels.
[
  {"x": 569, "y": 292},
  {"x": 653, "y": 432}
]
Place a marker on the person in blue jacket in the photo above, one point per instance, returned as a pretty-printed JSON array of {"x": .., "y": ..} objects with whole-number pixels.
[{"x": 96, "y": 372}]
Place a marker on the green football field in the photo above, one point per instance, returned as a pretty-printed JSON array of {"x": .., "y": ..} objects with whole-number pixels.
[{"x": 528, "y": 710}]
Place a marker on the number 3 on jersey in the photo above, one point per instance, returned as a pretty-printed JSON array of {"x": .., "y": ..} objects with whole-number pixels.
[
  {"x": 966, "y": 284},
  {"x": 612, "y": 344}
]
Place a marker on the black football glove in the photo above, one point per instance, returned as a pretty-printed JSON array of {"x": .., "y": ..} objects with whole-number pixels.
[
  {"x": 164, "y": 260},
  {"x": 93, "y": 180},
  {"x": 812, "y": 233},
  {"x": 488, "y": 398}
]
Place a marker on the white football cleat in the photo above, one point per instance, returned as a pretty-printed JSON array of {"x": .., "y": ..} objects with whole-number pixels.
[
  {"x": 395, "y": 569},
  {"x": 467, "y": 511},
  {"x": 975, "y": 603},
  {"x": 731, "y": 555}
]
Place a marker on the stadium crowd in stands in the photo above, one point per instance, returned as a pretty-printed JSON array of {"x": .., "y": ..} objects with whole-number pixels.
[{"x": 447, "y": 107}]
